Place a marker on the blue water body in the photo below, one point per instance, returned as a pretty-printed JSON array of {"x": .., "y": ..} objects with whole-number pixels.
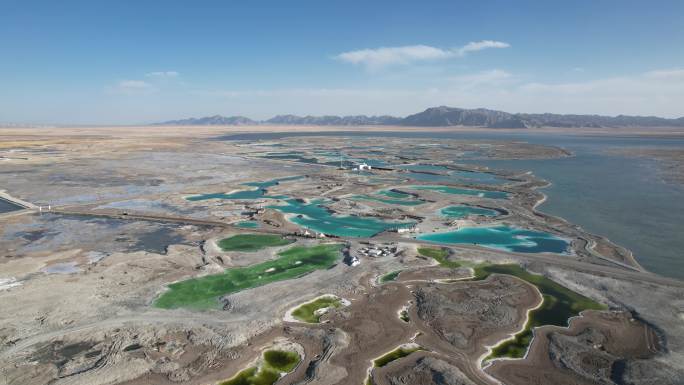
[
  {"x": 455, "y": 212},
  {"x": 6, "y": 206},
  {"x": 463, "y": 191},
  {"x": 622, "y": 198},
  {"x": 502, "y": 238},
  {"x": 316, "y": 217},
  {"x": 247, "y": 224},
  {"x": 260, "y": 191}
]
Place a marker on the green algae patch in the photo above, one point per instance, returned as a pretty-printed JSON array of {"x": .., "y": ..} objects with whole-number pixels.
[
  {"x": 254, "y": 376},
  {"x": 389, "y": 277},
  {"x": 281, "y": 360},
  {"x": 310, "y": 312},
  {"x": 395, "y": 354},
  {"x": 404, "y": 316},
  {"x": 203, "y": 292},
  {"x": 251, "y": 242},
  {"x": 558, "y": 306},
  {"x": 275, "y": 363},
  {"x": 440, "y": 255}
]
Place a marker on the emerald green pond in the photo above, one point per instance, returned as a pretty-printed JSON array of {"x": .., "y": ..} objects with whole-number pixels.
[
  {"x": 464, "y": 211},
  {"x": 503, "y": 238},
  {"x": 259, "y": 192},
  {"x": 463, "y": 191},
  {"x": 203, "y": 292},
  {"x": 560, "y": 304},
  {"x": 318, "y": 218},
  {"x": 307, "y": 312},
  {"x": 276, "y": 363},
  {"x": 389, "y": 277},
  {"x": 252, "y": 242}
]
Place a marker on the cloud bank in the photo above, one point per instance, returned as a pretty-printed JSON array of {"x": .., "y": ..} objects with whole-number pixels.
[{"x": 377, "y": 58}]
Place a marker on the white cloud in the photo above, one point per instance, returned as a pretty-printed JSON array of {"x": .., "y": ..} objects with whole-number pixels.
[
  {"x": 380, "y": 57},
  {"x": 376, "y": 58},
  {"x": 480, "y": 45},
  {"x": 162, "y": 74}
]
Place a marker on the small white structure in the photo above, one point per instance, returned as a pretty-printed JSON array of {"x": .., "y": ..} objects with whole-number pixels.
[
  {"x": 364, "y": 167},
  {"x": 403, "y": 230}
]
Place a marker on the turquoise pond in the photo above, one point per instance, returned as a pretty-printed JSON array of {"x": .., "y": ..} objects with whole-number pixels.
[
  {"x": 463, "y": 191},
  {"x": 464, "y": 211},
  {"x": 248, "y": 224},
  {"x": 502, "y": 238},
  {"x": 259, "y": 192},
  {"x": 316, "y": 217}
]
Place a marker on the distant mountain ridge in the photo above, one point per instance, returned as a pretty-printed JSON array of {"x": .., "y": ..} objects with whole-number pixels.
[
  {"x": 332, "y": 120},
  {"x": 216, "y": 120},
  {"x": 446, "y": 117}
]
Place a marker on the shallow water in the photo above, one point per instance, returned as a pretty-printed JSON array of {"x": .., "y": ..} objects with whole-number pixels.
[
  {"x": 259, "y": 192},
  {"x": 247, "y": 224},
  {"x": 62, "y": 268},
  {"x": 6, "y": 207},
  {"x": 622, "y": 198},
  {"x": 503, "y": 238},
  {"x": 318, "y": 218}
]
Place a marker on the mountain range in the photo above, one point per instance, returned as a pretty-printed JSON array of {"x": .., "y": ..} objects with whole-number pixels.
[
  {"x": 216, "y": 120},
  {"x": 445, "y": 117}
]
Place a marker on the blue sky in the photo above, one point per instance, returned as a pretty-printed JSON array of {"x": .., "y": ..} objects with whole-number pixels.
[{"x": 127, "y": 62}]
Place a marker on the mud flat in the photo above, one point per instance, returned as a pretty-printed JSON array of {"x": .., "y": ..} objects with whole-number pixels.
[{"x": 585, "y": 353}]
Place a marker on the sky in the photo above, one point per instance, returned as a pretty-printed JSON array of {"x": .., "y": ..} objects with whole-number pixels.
[{"x": 133, "y": 62}]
